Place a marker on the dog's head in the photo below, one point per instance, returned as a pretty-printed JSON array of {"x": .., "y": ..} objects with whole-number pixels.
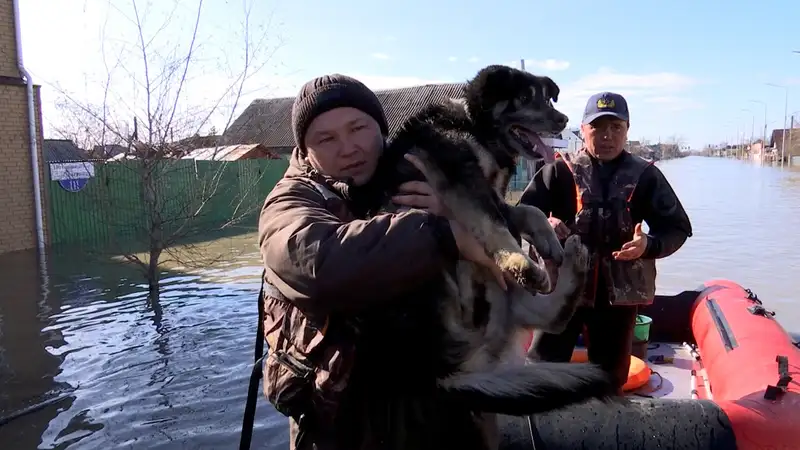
[{"x": 515, "y": 107}]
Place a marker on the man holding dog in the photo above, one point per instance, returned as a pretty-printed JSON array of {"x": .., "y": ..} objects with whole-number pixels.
[
  {"x": 327, "y": 264},
  {"x": 603, "y": 193}
]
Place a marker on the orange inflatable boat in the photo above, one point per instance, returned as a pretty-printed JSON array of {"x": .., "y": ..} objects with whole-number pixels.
[
  {"x": 752, "y": 366},
  {"x": 723, "y": 374}
]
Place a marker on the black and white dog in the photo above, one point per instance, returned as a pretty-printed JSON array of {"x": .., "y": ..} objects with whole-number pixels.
[{"x": 469, "y": 148}]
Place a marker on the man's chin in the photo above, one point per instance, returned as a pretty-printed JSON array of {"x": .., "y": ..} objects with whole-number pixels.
[
  {"x": 607, "y": 154},
  {"x": 360, "y": 179}
]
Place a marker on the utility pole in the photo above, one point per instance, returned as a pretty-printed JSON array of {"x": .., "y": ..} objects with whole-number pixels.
[
  {"x": 522, "y": 64},
  {"x": 783, "y": 134},
  {"x": 791, "y": 126}
]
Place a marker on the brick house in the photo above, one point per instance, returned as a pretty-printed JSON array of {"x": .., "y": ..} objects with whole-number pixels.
[{"x": 18, "y": 231}]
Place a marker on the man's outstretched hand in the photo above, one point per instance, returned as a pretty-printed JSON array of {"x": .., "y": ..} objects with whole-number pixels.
[{"x": 633, "y": 249}]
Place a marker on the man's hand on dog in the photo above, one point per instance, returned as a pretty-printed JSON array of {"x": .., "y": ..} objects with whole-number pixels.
[
  {"x": 420, "y": 195},
  {"x": 633, "y": 249},
  {"x": 562, "y": 231}
]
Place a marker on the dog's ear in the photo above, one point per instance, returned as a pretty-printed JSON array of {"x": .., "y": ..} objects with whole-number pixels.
[
  {"x": 488, "y": 86},
  {"x": 551, "y": 87}
]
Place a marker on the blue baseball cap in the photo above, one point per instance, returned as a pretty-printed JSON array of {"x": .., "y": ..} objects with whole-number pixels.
[{"x": 606, "y": 104}]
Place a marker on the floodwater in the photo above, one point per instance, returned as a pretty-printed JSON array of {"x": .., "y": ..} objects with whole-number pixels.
[{"x": 115, "y": 370}]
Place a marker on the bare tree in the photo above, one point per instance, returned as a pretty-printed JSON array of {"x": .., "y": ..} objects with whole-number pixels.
[
  {"x": 676, "y": 140},
  {"x": 150, "y": 111},
  {"x": 671, "y": 147}
]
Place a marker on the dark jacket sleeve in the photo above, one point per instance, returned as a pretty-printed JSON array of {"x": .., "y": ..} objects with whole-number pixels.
[
  {"x": 659, "y": 206},
  {"x": 323, "y": 264},
  {"x": 552, "y": 190}
]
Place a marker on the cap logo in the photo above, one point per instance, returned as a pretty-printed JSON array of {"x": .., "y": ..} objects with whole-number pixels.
[{"x": 603, "y": 103}]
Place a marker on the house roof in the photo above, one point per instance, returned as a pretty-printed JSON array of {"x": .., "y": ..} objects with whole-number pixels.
[
  {"x": 269, "y": 122},
  {"x": 189, "y": 144},
  {"x": 226, "y": 153},
  {"x": 62, "y": 150},
  {"x": 107, "y": 151},
  {"x": 777, "y": 136}
]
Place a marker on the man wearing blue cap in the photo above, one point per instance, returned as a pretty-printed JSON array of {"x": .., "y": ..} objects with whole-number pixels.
[{"x": 603, "y": 193}]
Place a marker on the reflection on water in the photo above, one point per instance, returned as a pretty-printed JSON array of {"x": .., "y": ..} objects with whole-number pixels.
[
  {"x": 133, "y": 372},
  {"x": 126, "y": 371}
]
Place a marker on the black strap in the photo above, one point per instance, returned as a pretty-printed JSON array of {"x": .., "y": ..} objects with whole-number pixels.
[
  {"x": 255, "y": 375},
  {"x": 784, "y": 379},
  {"x": 259, "y": 348}
]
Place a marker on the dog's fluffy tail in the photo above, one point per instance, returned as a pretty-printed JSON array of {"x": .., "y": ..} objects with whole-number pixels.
[{"x": 529, "y": 389}]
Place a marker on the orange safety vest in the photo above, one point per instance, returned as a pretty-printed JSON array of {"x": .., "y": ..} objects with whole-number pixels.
[{"x": 603, "y": 222}]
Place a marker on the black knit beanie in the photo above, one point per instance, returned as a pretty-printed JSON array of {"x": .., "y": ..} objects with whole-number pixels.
[{"x": 327, "y": 92}]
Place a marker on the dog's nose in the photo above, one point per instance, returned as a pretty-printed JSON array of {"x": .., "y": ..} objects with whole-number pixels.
[{"x": 561, "y": 120}]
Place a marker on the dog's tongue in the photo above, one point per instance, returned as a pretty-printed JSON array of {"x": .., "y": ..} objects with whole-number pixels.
[{"x": 544, "y": 150}]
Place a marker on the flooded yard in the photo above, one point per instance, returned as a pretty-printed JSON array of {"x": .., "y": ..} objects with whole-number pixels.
[{"x": 122, "y": 371}]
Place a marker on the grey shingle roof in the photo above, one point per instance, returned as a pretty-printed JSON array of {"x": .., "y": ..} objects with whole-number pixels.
[
  {"x": 62, "y": 150},
  {"x": 268, "y": 121}
]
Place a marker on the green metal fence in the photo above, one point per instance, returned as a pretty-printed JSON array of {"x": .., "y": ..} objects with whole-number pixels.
[{"x": 123, "y": 200}]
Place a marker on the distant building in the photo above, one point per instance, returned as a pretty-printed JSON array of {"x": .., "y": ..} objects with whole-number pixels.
[
  {"x": 791, "y": 140},
  {"x": 574, "y": 140}
]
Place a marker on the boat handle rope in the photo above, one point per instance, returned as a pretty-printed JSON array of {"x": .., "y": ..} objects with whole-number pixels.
[
  {"x": 773, "y": 392},
  {"x": 752, "y": 296}
]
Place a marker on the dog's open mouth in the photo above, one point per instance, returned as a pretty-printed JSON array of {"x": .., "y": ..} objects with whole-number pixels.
[{"x": 533, "y": 143}]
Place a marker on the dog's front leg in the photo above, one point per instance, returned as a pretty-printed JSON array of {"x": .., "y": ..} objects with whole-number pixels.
[
  {"x": 551, "y": 312},
  {"x": 483, "y": 219},
  {"x": 474, "y": 204},
  {"x": 535, "y": 228}
]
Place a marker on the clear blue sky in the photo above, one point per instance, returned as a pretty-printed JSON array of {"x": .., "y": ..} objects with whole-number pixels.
[
  {"x": 698, "y": 62},
  {"x": 688, "y": 68}
]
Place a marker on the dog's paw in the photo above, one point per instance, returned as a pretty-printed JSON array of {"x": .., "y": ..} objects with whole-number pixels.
[
  {"x": 576, "y": 254},
  {"x": 523, "y": 271}
]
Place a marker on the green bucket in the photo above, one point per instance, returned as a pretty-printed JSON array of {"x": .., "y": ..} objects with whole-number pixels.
[{"x": 641, "y": 330}]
